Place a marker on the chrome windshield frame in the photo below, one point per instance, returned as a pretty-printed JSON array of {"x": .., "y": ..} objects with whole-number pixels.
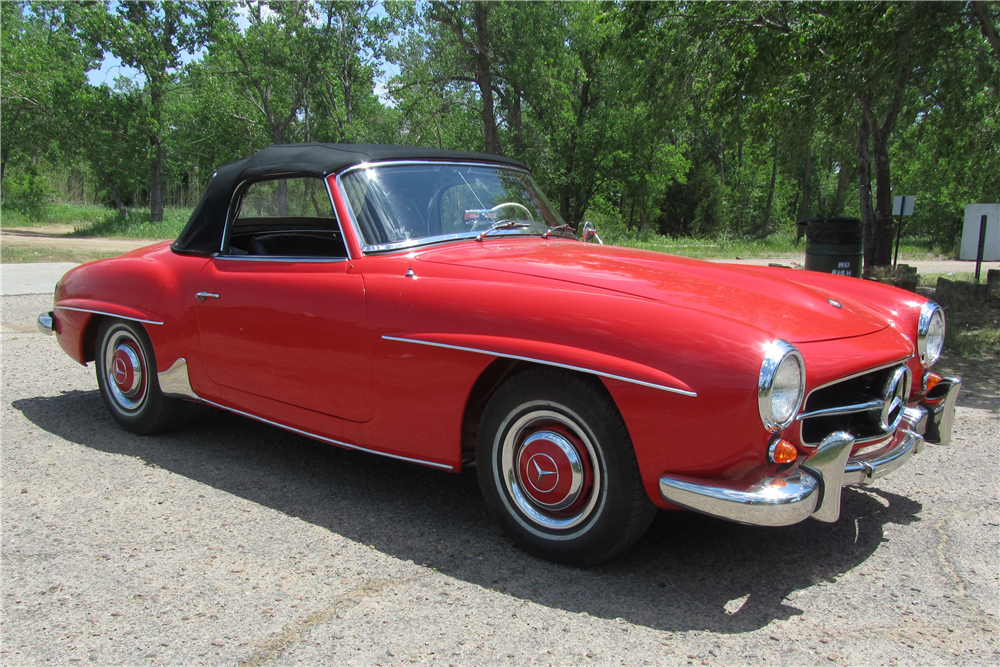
[{"x": 426, "y": 240}]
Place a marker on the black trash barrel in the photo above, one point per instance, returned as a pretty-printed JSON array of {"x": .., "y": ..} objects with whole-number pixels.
[{"x": 834, "y": 245}]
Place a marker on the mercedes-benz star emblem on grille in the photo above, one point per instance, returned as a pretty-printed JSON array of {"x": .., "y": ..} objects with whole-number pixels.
[{"x": 896, "y": 391}]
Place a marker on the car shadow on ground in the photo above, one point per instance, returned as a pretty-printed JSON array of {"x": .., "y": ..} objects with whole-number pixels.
[{"x": 689, "y": 572}]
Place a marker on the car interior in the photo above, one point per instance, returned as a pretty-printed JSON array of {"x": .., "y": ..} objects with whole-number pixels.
[{"x": 286, "y": 217}]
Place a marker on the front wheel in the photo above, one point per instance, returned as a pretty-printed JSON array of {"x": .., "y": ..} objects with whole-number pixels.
[
  {"x": 557, "y": 468},
  {"x": 126, "y": 375}
]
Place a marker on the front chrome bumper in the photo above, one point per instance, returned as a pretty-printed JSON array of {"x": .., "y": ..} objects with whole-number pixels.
[{"x": 813, "y": 488}]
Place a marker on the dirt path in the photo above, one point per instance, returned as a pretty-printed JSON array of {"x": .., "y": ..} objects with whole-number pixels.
[{"x": 57, "y": 237}]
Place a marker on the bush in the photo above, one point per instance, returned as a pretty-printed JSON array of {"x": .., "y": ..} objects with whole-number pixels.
[
  {"x": 27, "y": 193},
  {"x": 137, "y": 224}
]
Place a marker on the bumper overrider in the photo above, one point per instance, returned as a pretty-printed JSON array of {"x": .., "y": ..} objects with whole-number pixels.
[
  {"x": 46, "y": 323},
  {"x": 813, "y": 487}
]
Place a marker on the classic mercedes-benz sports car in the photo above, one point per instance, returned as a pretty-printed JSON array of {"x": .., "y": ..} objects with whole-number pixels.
[{"x": 432, "y": 306}]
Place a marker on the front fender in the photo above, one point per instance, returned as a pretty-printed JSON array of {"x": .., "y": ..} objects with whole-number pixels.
[{"x": 147, "y": 286}]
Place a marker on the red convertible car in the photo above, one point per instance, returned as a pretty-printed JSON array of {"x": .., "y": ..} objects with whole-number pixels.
[{"x": 432, "y": 306}]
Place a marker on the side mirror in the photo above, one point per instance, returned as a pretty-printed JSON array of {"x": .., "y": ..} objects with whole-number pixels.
[{"x": 589, "y": 233}]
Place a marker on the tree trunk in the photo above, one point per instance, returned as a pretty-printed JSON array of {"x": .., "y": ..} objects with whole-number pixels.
[
  {"x": 770, "y": 189},
  {"x": 114, "y": 195},
  {"x": 484, "y": 79},
  {"x": 156, "y": 183},
  {"x": 721, "y": 152},
  {"x": 989, "y": 30},
  {"x": 884, "y": 230},
  {"x": 804, "y": 204},
  {"x": 156, "y": 167},
  {"x": 517, "y": 122},
  {"x": 841, "y": 199},
  {"x": 865, "y": 191},
  {"x": 580, "y": 118}
]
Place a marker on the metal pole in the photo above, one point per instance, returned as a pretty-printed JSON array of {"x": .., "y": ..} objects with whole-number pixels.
[{"x": 982, "y": 246}]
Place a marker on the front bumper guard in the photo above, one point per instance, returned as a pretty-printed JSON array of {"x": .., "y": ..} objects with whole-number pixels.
[
  {"x": 46, "y": 323},
  {"x": 814, "y": 488}
]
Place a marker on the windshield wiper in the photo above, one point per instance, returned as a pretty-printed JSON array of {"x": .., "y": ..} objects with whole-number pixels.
[
  {"x": 559, "y": 228},
  {"x": 503, "y": 224}
]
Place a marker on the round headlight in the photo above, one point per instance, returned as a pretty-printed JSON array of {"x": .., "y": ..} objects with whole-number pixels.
[
  {"x": 780, "y": 386},
  {"x": 930, "y": 333}
]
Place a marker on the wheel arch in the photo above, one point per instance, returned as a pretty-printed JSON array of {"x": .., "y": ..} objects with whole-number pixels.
[
  {"x": 490, "y": 380},
  {"x": 87, "y": 322},
  {"x": 89, "y": 338}
]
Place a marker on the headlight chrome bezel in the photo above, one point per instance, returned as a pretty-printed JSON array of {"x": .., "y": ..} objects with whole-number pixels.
[
  {"x": 928, "y": 312},
  {"x": 776, "y": 354}
]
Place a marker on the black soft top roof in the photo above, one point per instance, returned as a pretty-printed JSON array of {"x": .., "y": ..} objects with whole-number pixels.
[{"x": 204, "y": 230}]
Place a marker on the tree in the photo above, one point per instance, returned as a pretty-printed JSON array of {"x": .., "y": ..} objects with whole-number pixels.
[
  {"x": 110, "y": 124},
  {"x": 468, "y": 25},
  {"x": 271, "y": 65},
  {"x": 44, "y": 63},
  {"x": 882, "y": 55},
  {"x": 151, "y": 37},
  {"x": 353, "y": 38}
]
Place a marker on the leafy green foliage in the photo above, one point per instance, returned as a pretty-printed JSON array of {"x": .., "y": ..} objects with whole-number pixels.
[{"x": 697, "y": 120}]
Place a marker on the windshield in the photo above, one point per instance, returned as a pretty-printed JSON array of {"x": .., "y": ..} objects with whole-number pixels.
[{"x": 396, "y": 206}]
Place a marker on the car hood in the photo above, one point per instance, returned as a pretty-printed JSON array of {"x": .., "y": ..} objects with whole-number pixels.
[{"x": 762, "y": 297}]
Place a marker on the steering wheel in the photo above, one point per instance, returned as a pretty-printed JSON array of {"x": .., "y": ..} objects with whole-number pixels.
[{"x": 515, "y": 205}]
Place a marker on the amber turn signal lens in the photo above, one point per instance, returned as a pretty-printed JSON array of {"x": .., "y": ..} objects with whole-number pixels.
[
  {"x": 782, "y": 451},
  {"x": 932, "y": 380}
]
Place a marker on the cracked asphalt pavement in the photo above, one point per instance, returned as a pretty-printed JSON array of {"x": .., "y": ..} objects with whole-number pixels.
[{"x": 231, "y": 542}]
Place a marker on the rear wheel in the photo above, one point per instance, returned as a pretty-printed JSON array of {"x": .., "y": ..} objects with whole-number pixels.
[
  {"x": 557, "y": 468},
  {"x": 126, "y": 375}
]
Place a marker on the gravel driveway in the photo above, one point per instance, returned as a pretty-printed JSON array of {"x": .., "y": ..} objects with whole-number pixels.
[{"x": 230, "y": 542}]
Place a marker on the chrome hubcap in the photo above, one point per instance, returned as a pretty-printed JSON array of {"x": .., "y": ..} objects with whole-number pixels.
[
  {"x": 548, "y": 466},
  {"x": 125, "y": 370}
]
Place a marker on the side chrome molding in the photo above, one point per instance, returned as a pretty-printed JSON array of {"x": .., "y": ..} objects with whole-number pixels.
[
  {"x": 346, "y": 445},
  {"x": 109, "y": 314},
  {"x": 175, "y": 381},
  {"x": 590, "y": 371}
]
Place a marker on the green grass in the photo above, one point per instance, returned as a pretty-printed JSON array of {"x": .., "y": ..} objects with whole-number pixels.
[
  {"x": 973, "y": 323},
  {"x": 780, "y": 245},
  {"x": 77, "y": 215},
  {"x": 137, "y": 225},
  {"x": 101, "y": 221},
  {"x": 23, "y": 255}
]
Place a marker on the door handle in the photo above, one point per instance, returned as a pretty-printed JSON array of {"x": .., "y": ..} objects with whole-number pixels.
[{"x": 201, "y": 296}]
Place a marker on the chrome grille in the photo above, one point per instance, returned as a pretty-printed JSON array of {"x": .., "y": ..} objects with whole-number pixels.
[{"x": 868, "y": 406}]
